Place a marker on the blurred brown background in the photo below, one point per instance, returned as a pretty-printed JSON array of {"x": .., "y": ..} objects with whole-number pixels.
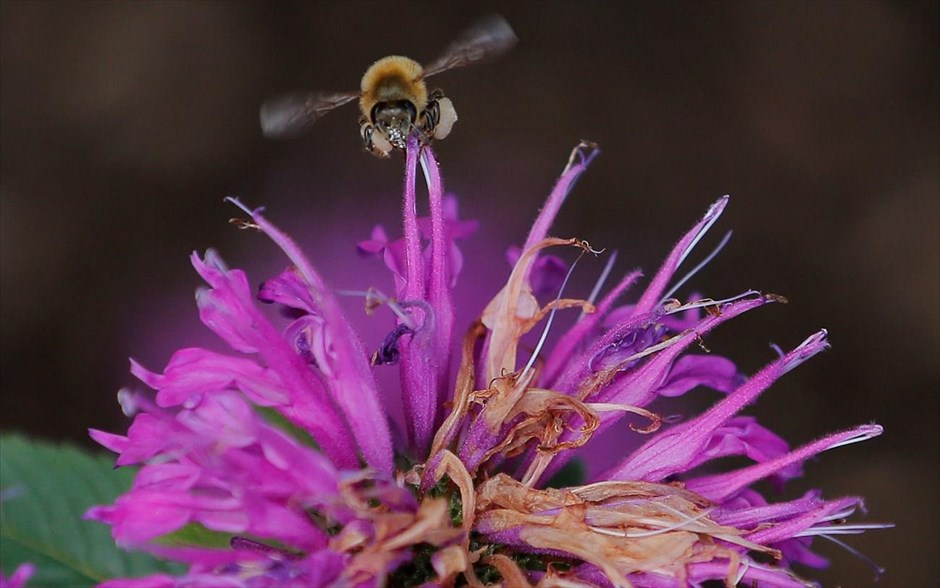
[{"x": 125, "y": 123}]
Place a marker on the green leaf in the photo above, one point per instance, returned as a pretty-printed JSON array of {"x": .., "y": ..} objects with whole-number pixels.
[
  {"x": 279, "y": 421},
  {"x": 45, "y": 490},
  {"x": 195, "y": 535}
]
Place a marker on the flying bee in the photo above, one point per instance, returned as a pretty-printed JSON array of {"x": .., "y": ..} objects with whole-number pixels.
[{"x": 393, "y": 97}]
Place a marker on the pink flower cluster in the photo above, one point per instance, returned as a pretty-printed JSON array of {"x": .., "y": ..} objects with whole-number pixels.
[{"x": 283, "y": 450}]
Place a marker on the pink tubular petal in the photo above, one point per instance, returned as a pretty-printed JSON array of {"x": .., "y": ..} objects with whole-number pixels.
[
  {"x": 151, "y": 510},
  {"x": 791, "y": 518},
  {"x": 689, "y": 371},
  {"x": 425, "y": 356},
  {"x": 749, "y": 508},
  {"x": 324, "y": 567},
  {"x": 353, "y": 386},
  {"x": 312, "y": 341},
  {"x": 222, "y": 467},
  {"x": 744, "y": 436},
  {"x": 425, "y": 290},
  {"x": 516, "y": 300},
  {"x": 170, "y": 476},
  {"x": 147, "y": 436},
  {"x": 796, "y": 531},
  {"x": 116, "y": 443},
  {"x": 376, "y": 242},
  {"x": 226, "y": 419},
  {"x": 682, "y": 249},
  {"x": 309, "y": 470},
  {"x": 21, "y": 575},
  {"x": 138, "y": 517},
  {"x": 418, "y": 358},
  {"x": 270, "y": 518},
  {"x": 287, "y": 289},
  {"x": 193, "y": 372},
  {"x": 581, "y": 158},
  {"x": 671, "y": 452},
  {"x": 641, "y": 384},
  {"x": 722, "y": 486},
  {"x": 439, "y": 296},
  {"x": 749, "y": 574},
  {"x": 798, "y": 551},
  {"x": 394, "y": 258},
  {"x": 203, "y": 557},
  {"x": 229, "y": 310},
  {"x": 564, "y": 349},
  {"x": 226, "y": 308},
  {"x": 414, "y": 264},
  {"x": 547, "y": 274}
]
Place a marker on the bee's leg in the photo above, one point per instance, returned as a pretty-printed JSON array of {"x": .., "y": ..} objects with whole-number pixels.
[
  {"x": 432, "y": 113},
  {"x": 439, "y": 116},
  {"x": 375, "y": 143}
]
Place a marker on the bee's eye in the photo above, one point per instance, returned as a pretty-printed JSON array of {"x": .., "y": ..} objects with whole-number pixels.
[
  {"x": 384, "y": 111},
  {"x": 412, "y": 112}
]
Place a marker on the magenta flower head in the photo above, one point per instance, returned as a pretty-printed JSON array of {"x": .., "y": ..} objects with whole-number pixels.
[{"x": 277, "y": 465}]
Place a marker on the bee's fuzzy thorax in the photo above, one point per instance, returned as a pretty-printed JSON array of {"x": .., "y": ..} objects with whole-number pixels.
[{"x": 393, "y": 78}]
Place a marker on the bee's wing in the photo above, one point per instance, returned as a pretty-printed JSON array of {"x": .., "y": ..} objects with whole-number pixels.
[
  {"x": 291, "y": 114},
  {"x": 486, "y": 39}
]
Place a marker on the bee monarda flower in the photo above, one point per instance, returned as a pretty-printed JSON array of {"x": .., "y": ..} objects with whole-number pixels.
[{"x": 277, "y": 465}]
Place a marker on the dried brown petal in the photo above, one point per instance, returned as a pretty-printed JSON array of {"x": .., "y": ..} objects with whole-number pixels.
[{"x": 510, "y": 571}]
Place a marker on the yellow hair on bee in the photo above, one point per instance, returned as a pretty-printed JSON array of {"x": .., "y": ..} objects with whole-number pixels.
[{"x": 391, "y": 79}]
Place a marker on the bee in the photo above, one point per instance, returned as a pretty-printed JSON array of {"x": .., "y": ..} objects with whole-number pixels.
[{"x": 393, "y": 97}]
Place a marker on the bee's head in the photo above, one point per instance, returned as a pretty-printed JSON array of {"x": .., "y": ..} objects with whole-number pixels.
[{"x": 394, "y": 119}]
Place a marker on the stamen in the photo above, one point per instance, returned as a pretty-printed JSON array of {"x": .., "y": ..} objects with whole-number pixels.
[
  {"x": 581, "y": 157},
  {"x": 234, "y": 200},
  {"x": 879, "y": 571},
  {"x": 807, "y": 349},
  {"x": 389, "y": 353},
  {"x": 427, "y": 325},
  {"x": 585, "y": 151},
  {"x": 716, "y": 531},
  {"x": 713, "y": 214},
  {"x": 856, "y": 529},
  {"x": 243, "y": 224},
  {"x": 650, "y": 350},
  {"x": 708, "y": 302},
  {"x": 551, "y": 318},
  {"x": 842, "y": 514},
  {"x": 697, "y": 268},
  {"x": 424, "y": 167},
  {"x": 677, "y": 525},
  {"x": 743, "y": 567},
  {"x": 749, "y": 564},
  {"x": 600, "y": 282},
  {"x": 375, "y": 298}
]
